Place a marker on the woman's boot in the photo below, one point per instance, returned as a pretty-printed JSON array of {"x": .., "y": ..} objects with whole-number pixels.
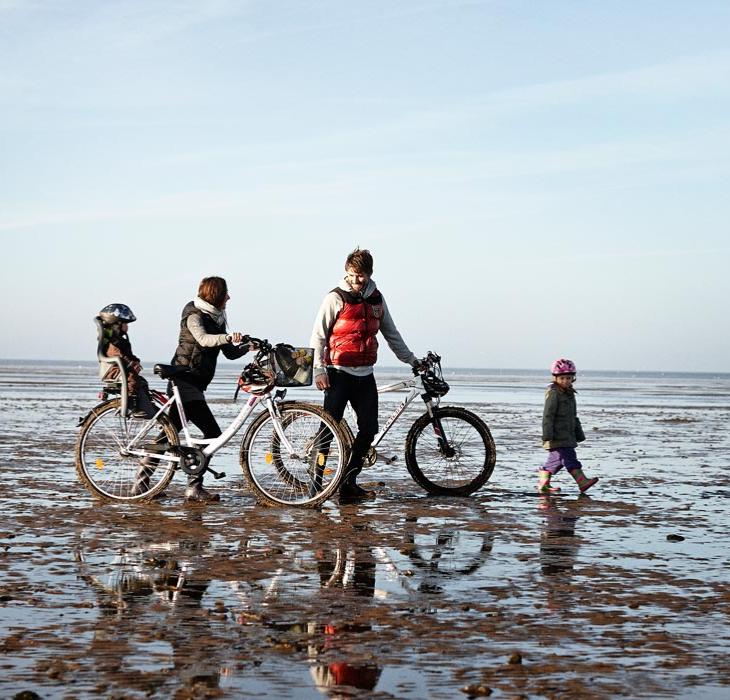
[
  {"x": 543, "y": 483},
  {"x": 195, "y": 493},
  {"x": 584, "y": 483}
]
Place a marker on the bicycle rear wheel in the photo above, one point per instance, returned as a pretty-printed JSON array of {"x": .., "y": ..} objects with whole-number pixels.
[
  {"x": 305, "y": 476},
  {"x": 110, "y": 472},
  {"x": 460, "y": 463}
]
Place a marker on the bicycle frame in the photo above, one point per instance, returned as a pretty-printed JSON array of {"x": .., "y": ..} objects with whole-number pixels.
[
  {"x": 211, "y": 445},
  {"x": 415, "y": 384}
]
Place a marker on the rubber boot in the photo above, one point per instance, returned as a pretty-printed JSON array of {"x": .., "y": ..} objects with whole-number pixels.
[
  {"x": 350, "y": 492},
  {"x": 543, "y": 483},
  {"x": 195, "y": 493},
  {"x": 584, "y": 483},
  {"x": 316, "y": 473}
]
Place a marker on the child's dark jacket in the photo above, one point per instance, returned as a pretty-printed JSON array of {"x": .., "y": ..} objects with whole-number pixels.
[
  {"x": 118, "y": 345},
  {"x": 560, "y": 423}
]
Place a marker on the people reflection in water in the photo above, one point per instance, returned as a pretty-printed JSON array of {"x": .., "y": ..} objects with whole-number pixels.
[
  {"x": 558, "y": 548},
  {"x": 352, "y": 569},
  {"x": 148, "y": 581}
]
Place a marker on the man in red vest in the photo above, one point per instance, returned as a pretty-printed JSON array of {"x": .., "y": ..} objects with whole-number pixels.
[{"x": 345, "y": 345}]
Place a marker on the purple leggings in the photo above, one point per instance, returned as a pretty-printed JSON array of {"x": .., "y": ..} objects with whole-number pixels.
[{"x": 562, "y": 457}]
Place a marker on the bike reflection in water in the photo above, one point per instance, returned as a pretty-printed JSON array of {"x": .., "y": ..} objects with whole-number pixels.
[
  {"x": 559, "y": 548},
  {"x": 131, "y": 645},
  {"x": 443, "y": 553}
]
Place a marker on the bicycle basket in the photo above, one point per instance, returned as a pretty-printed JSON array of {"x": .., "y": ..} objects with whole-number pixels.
[{"x": 293, "y": 366}]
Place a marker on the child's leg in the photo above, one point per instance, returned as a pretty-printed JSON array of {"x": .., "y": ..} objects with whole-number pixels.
[
  {"x": 575, "y": 468},
  {"x": 144, "y": 404},
  {"x": 551, "y": 467}
]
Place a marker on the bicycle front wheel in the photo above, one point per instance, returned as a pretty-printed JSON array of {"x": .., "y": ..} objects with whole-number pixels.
[
  {"x": 304, "y": 468},
  {"x": 455, "y": 464},
  {"x": 114, "y": 471}
]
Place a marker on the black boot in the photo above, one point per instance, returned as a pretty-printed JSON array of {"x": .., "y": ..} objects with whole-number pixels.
[
  {"x": 195, "y": 493},
  {"x": 350, "y": 492}
]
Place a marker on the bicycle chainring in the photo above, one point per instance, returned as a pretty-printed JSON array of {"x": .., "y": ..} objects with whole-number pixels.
[
  {"x": 370, "y": 458},
  {"x": 192, "y": 460}
]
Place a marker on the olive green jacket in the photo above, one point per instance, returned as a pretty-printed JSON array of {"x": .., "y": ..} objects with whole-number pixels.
[{"x": 560, "y": 424}]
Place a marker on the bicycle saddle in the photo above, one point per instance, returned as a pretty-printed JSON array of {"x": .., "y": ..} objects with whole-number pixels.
[{"x": 167, "y": 371}]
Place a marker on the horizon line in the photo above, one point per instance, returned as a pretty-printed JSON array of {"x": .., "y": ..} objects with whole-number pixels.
[{"x": 399, "y": 367}]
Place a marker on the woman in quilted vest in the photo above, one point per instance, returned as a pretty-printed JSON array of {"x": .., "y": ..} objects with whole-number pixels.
[{"x": 203, "y": 336}]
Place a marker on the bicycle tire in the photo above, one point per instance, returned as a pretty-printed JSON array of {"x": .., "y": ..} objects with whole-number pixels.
[
  {"x": 281, "y": 468},
  {"x": 280, "y": 479},
  {"x": 105, "y": 471},
  {"x": 461, "y": 474}
]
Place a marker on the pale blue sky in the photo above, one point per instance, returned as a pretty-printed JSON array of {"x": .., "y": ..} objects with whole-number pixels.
[{"x": 534, "y": 179}]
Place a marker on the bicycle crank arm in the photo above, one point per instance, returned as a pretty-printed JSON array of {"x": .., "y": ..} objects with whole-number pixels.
[{"x": 216, "y": 475}]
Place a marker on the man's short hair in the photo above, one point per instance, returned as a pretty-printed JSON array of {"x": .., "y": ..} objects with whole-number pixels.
[
  {"x": 213, "y": 290},
  {"x": 360, "y": 261}
]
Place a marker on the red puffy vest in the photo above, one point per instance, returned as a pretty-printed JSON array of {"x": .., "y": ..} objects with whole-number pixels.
[{"x": 352, "y": 342}]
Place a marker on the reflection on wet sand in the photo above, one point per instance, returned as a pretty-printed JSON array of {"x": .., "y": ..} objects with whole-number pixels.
[
  {"x": 624, "y": 594},
  {"x": 444, "y": 555},
  {"x": 351, "y": 569},
  {"x": 559, "y": 547},
  {"x": 160, "y": 579}
]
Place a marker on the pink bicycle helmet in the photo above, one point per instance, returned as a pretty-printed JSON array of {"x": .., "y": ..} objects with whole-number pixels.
[{"x": 562, "y": 366}]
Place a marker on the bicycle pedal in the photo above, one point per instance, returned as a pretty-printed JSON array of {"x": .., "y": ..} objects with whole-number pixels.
[
  {"x": 217, "y": 475},
  {"x": 390, "y": 460}
]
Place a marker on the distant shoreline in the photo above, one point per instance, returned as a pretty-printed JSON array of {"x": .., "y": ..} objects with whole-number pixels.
[{"x": 666, "y": 374}]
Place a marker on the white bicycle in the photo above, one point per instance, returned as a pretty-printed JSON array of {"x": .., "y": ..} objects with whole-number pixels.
[
  {"x": 292, "y": 453},
  {"x": 449, "y": 450}
]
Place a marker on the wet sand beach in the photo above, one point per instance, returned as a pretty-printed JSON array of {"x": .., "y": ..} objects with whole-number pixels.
[{"x": 621, "y": 593}]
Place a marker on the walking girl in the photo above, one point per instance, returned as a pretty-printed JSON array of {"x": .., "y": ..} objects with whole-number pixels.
[{"x": 561, "y": 430}]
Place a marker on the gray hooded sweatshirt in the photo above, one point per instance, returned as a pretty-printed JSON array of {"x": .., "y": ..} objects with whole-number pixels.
[{"x": 325, "y": 320}]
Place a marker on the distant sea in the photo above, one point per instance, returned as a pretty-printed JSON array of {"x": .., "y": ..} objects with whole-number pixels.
[{"x": 468, "y": 384}]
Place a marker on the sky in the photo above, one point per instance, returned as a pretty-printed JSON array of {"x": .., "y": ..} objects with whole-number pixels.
[{"x": 534, "y": 179}]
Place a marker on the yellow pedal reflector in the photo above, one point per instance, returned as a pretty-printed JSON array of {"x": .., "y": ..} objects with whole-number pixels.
[
  {"x": 269, "y": 458},
  {"x": 99, "y": 463}
]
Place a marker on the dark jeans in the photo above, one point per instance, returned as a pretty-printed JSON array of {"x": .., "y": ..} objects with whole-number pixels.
[
  {"x": 199, "y": 414},
  {"x": 362, "y": 393}
]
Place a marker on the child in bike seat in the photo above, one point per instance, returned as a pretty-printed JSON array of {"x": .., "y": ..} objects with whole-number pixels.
[{"x": 115, "y": 320}]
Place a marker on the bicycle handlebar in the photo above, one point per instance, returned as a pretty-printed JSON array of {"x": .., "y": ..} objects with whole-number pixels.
[{"x": 427, "y": 363}]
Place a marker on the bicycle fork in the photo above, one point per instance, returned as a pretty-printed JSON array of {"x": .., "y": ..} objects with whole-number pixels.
[{"x": 444, "y": 446}]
